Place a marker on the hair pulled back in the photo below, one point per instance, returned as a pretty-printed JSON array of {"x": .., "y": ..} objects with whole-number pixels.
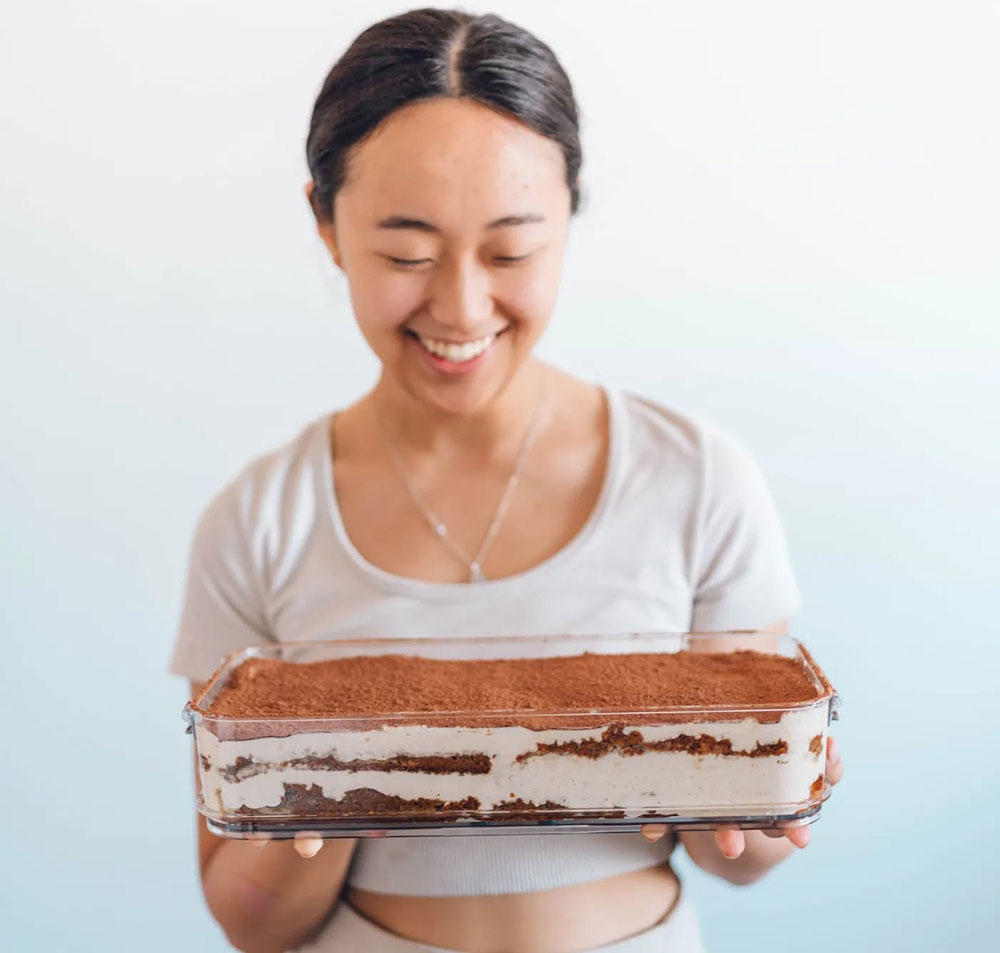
[{"x": 431, "y": 53}]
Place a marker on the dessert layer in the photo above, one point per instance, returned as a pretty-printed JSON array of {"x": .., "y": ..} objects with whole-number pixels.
[
  {"x": 614, "y": 767},
  {"x": 364, "y": 802},
  {"x": 377, "y": 684}
]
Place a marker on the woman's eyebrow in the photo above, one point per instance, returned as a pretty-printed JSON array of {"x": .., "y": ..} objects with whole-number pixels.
[{"x": 400, "y": 221}]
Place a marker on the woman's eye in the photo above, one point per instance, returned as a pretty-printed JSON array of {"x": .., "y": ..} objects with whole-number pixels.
[
  {"x": 411, "y": 262},
  {"x": 406, "y": 261}
]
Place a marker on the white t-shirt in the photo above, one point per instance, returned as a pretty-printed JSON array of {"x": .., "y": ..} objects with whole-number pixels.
[{"x": 684, "y": 537}]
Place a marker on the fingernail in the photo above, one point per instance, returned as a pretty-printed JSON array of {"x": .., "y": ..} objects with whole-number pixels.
[
  {"x": 653, "y": 832},
  {"x": 833, "y": 755},
  {"x": 729, "y": 850},
  {"x": 307, "y": 847}
]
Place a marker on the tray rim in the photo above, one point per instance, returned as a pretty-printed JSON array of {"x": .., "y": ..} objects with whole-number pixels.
[{"x": 193, "y": 713}]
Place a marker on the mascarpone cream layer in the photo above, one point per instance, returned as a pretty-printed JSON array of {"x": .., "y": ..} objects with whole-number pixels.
[{"x": 654, "y": 780}]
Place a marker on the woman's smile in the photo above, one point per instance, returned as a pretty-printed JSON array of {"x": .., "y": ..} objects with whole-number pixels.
[{"x": 450, "y": 357}]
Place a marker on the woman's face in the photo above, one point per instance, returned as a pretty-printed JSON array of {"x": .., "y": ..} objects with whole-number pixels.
[{"x": 439, "y": 184}]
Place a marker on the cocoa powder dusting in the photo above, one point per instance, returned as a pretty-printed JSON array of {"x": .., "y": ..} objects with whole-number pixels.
[{"x": 378, "y": 685}]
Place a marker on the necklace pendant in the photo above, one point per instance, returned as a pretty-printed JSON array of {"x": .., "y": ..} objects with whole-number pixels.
[{"x": 475, "y": 573}]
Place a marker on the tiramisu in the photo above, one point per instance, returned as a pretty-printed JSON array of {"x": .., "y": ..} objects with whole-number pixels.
[{"x": 590, "y": 735}]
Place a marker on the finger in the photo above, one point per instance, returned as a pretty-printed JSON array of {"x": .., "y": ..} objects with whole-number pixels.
[
  {"x": 799, "y": 836},
  {"x": 259, "y": 840},
  {"x": 730, "y": 841},
  {"x": 653, "y": 832},
  {"x": 834, "y": 763},
  {"x": 308, "y": 844}
]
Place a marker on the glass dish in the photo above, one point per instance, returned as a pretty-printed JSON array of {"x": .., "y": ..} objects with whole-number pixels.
[{"x": 528, "y": 771}]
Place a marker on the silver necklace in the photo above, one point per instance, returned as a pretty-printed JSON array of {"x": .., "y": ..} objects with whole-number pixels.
[{"x": 437, "y": 527}]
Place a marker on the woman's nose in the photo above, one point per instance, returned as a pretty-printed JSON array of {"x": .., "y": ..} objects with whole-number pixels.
[{"x": 460, "y": 296}]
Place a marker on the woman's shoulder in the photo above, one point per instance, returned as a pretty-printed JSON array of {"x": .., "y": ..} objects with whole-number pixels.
[
  {"x": 273, "y": 484},
  {"x": 680, "y": 436},
  {"x": 719, "y": 467}
]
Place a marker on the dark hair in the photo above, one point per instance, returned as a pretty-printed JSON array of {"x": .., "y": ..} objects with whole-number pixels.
[{"x": 430, "y": 54}]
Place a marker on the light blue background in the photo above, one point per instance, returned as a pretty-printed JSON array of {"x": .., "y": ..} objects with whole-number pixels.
[{"x": 791, "y": 229}]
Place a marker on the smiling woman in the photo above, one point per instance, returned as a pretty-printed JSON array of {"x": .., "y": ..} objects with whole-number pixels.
[{"x": 472, "y": 490}]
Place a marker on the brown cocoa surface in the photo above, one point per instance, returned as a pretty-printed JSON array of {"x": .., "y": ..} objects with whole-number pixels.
[{"x": 377, "y": 685}]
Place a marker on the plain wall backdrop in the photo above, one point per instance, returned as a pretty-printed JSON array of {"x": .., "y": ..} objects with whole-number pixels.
[{"x": 790, "y": 227}]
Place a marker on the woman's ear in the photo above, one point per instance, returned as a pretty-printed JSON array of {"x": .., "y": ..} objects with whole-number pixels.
[{"x": 324, "y": 226}]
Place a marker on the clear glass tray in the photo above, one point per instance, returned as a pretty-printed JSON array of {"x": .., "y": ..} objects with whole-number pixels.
[{"x": 510, "y": 772}]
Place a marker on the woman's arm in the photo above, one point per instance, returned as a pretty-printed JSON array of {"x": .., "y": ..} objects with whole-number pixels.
[{"x": 270, "y": 896}]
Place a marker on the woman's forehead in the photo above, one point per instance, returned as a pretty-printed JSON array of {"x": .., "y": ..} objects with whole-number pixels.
[{"x": 452, "y": 154}]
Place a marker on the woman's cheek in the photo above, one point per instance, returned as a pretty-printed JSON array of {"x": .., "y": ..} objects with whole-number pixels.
[
  {"x": 385, "y": 304},
  {"x": 532, "y": 293}
]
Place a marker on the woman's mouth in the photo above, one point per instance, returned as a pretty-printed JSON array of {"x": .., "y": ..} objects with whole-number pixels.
[{"x": 454, "y": 357}]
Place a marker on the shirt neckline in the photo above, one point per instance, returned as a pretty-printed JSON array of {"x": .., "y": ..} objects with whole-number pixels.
[{"x": 427, "y": 589}]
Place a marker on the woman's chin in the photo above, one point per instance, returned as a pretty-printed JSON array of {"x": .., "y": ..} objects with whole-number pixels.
[{"x": 465, "y": 401}]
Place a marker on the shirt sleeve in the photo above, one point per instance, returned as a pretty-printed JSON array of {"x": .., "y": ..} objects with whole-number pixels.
[
  {"x": 224, "y": 608},
  {"x": 743, "y": 574}
]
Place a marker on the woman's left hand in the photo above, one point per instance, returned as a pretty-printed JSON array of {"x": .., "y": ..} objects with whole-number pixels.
[{"x": 731, "y": 841}]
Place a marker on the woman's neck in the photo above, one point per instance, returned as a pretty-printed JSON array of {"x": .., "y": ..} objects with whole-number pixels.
[{"x": 494, "y": 429}]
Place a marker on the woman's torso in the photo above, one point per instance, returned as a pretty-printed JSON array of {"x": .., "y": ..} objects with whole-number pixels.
[
  {"x": 557, "y": 492},
  {"x": 683, "y": 535}
]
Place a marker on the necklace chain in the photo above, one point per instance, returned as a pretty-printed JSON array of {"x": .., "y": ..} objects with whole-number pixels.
[{"x": 437, "y": 527}]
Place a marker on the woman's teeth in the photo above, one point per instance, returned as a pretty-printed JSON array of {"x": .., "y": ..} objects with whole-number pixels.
[{"x": 456, "y": 353}]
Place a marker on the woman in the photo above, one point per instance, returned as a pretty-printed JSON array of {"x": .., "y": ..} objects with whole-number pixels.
[{"x": 473, "y": 490}]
